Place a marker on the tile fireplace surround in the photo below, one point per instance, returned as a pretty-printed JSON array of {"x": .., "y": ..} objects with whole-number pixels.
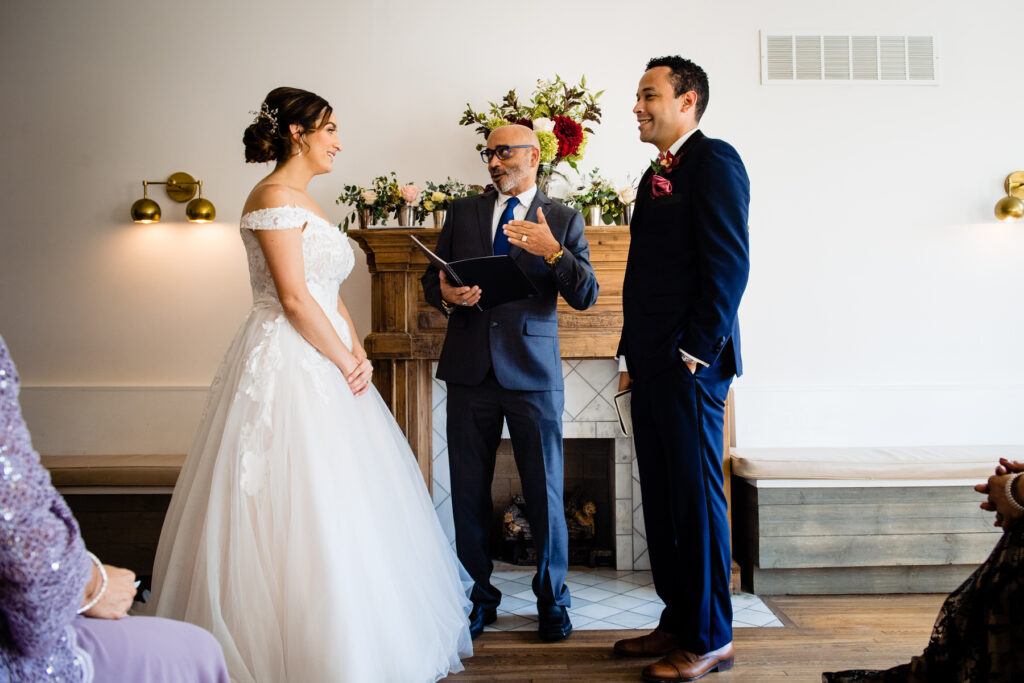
[{"x": 590, "y": 386}]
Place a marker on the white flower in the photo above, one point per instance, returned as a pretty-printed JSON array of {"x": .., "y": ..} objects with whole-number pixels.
[
  {"x": 627, "y": 195},
  {"x": 369, "y": 196},
  {"x": 543, "y": 125}
]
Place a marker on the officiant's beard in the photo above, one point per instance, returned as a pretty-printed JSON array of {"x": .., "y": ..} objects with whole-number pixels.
[{"x": 509, "y": 178}]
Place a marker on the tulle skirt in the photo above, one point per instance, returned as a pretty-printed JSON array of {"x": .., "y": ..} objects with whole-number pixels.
[{"x": 300, "y": 532}]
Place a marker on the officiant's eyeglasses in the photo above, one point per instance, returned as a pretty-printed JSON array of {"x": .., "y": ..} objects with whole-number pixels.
[{"x": 503, "y": 152}]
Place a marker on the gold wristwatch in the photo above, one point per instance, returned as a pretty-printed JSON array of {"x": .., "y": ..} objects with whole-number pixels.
[{"x": 553, "y": 260}]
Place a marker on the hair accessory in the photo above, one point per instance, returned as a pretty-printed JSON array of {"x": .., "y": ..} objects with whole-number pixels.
[
  {"x": 267, "y": 113},
  {"x": 103, "y": 585}
]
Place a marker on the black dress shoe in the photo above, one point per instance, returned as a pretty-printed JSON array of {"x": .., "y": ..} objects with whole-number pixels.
[
  {"x": 480, "y": 617},
  {"x": 553, "y": 623}
]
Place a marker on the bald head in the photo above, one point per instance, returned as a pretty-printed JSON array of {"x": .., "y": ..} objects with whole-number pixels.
[{"x": 512, "y": 134}]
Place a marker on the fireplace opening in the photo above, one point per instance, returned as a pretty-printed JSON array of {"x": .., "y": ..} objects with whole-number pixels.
[{"x": 589, "y": 498}]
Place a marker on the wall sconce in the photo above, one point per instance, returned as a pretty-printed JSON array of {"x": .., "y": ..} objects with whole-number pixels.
[
  {"x": 1012, "y": 205},
  {"x": 181, "y": 187}
]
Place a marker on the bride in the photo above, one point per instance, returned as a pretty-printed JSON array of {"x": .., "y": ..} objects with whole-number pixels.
[{"x": 300, "y": 533}]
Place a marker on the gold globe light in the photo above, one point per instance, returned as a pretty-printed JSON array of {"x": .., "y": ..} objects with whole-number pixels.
[
  {"x": 181, "y": 187},
  {"x": 1009, "y": 208},
  {"x": 145, "y": 210},
  {"x": 200, "y": 210},
  {"x": 1012, "y": 205}
]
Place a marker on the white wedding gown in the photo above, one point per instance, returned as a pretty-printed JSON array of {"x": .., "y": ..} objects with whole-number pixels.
[{"x": 300, "y": 532}]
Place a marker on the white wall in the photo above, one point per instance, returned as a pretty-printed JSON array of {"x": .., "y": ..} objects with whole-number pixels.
[{"x": 883, "y": 301}]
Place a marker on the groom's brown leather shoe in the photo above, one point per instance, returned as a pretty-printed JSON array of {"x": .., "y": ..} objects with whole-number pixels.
[
  {"x": 681, "y": 665},
  {"x": 657, "y": 643}
]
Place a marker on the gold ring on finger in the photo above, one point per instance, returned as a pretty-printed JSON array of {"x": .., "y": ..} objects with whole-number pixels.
[{"x": 524, "y": 238}]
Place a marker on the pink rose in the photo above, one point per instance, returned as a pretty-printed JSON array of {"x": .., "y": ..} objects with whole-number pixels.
[
  {"x": 409, "y": 193},
  {"x": 660, "y": 186}
]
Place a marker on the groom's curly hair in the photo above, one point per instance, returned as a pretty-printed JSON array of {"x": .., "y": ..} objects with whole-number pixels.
[{"x": 685, "y": 76}]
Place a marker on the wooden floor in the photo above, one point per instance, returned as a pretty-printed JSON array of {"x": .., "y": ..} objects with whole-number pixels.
[{"x": 822, "y": 633}]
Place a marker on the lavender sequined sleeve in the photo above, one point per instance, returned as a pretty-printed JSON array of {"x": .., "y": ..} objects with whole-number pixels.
[{"x": 43, "y": 564}]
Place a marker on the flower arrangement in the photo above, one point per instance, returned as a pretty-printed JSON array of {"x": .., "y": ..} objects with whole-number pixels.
[
  {"x": 599, "y": 192},
  {"x": 558, "y": 113},
  {"x": 385, "y": 196},
  {"x": 382, "y": 198},
  {"x": 439, "y": 196}
]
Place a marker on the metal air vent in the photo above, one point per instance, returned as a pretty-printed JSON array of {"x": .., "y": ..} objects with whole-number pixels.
[{"x": 820, "y": 58}]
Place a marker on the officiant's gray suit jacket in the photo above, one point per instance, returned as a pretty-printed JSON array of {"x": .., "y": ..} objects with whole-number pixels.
[{"x": 518, "y": 339}]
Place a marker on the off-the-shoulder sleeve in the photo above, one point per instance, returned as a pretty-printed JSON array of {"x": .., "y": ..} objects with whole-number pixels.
[
  {"x": 43, "y": 564},
  {"x": 275, "y": 218}
]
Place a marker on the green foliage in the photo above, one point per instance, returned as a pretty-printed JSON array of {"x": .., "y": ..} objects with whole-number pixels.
[
  {"x": 600, "y": 192},
  {"x": 382, "y": 197}
]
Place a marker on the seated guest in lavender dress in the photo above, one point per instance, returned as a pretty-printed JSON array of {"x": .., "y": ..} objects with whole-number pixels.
[{"x": 62, "y": 613}]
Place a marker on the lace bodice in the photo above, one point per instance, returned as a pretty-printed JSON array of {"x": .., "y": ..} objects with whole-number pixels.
[{"x": 326, "y": 252}]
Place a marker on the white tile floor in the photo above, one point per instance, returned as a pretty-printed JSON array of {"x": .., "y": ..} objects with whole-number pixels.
[{"x": 604, "y": 599}]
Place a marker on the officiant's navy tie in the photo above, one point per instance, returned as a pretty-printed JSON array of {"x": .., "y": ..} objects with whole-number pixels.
[{"x": 500, "y": 238}]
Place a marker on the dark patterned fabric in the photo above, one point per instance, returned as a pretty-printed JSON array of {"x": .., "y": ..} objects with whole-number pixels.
[{"x": 979, "y": 634}]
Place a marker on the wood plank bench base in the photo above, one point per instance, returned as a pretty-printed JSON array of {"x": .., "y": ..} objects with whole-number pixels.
[{"x": 818, "y": 536}]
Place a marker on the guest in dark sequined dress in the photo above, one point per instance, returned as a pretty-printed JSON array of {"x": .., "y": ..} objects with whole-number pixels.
[{"x": 979, "y": 634}]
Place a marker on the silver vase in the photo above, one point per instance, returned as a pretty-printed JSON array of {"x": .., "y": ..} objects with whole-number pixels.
[
  {"x": 405, "y": 215},
  {"x": 365, "y": 218},
  {"x": 592, "y": 215},
  {"x": 439, "y": 215},
  {"x": 627, "y": 213}
]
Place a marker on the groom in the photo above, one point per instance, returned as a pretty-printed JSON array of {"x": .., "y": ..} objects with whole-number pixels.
[
  {"x": 503, "y": 364},
  {"x": 685, "y": 274}
]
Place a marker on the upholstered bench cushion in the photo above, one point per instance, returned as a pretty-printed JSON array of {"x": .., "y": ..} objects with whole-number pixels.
[
  {"x": 912, "y": 463},
  {"x": 113, "y": 470}
]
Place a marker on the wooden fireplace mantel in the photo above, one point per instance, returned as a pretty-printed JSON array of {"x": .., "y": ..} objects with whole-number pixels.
[{"x": 407, "y": 333}]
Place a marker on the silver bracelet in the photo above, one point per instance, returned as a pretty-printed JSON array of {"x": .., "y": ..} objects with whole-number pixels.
[
  {"x": 1010, "y": 498},
  {"x": 103, "y": 584}
]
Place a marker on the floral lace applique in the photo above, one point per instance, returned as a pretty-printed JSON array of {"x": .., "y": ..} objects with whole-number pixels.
[
  {"x": 253, "y": 477},
  {"x": 257, "y": 383},
  {"x": 258, "y": 378}
]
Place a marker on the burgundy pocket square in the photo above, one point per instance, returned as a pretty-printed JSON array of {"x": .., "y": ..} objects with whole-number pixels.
[{"x": 660, "y": 186}]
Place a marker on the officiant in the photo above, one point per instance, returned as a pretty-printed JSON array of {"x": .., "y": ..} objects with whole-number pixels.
[{"x": 502, "y": 363}]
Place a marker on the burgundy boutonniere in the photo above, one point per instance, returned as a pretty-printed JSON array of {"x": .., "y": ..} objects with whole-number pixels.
[{"x": 660, "y": 185}]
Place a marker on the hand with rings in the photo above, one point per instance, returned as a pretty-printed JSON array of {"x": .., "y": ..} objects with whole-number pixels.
[
  {"x": 533, "y": 238},
  {"x": 459, "y": 296}
]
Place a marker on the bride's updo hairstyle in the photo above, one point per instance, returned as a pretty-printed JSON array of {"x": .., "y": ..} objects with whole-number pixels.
[{"x": 267, "y": 137}]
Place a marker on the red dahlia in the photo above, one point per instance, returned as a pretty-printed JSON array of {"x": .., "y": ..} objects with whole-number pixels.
[
  {"x": 525, "y": 122},
  {"x": 569, "y": 134}
]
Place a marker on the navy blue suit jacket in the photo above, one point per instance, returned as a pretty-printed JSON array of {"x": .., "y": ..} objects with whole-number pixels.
[
  {"x": 688, "y": 262},
  {"x": 520, "y": 338}
]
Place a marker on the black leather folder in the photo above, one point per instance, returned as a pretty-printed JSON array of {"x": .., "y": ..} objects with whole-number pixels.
[{"x": 499, "y": 278}]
